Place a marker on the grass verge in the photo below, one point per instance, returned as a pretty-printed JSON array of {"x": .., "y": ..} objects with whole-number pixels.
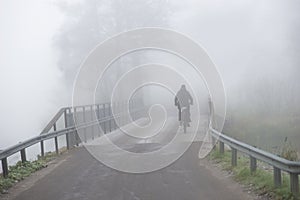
[
  {"x": 261, "y": 181},
  {"x": 20, "y": 170}
]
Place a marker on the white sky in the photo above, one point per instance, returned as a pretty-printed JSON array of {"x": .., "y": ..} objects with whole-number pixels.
[
  {"x": 238, "y": 34},
  {"x": 28, "y": 71}
]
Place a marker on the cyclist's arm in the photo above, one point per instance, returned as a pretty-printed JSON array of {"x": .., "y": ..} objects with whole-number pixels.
[{"x": 176, "y": 101}]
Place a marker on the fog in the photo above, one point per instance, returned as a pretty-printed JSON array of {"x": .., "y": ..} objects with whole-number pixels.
[{"x": 254, "y": 44}]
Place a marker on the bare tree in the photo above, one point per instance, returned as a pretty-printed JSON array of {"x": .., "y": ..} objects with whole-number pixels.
[{"x": 92, "y": 21}]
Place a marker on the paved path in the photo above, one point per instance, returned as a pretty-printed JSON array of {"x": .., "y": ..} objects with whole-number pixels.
[{"x": 81, "y": 177}]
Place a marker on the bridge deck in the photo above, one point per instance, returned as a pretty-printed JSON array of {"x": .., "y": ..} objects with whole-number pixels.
[{"x": 80, "y": 176}]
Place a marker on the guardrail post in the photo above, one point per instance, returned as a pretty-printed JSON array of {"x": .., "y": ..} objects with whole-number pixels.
[
  {"x": 4, "y": 167},
  {"x": 277, "y": 177},
  {"x": 214, "y": 143},
  {"x": 23, "y": 155},
  {"x": 294, "y": 183},
  {"x": 92, "y": 126},
  {"x": 233, "y": 157},
  {"x": 55, "y": 140},
  {"x": 221, "y": 147},
  {"x": 42, "y": 149},
  {"x": 253, "y": 164}
]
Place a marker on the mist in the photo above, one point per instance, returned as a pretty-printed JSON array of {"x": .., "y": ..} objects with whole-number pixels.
[
  {"x": 254, "y": 44},
  {"x": 32, "y": 86}
]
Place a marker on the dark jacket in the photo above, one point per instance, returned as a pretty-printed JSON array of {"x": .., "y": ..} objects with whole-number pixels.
[{"x": 183, "y": 98}]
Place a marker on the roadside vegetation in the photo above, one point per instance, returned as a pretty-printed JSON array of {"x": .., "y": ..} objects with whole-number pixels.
[
  {"x": 280, "y": 130},
  {"x": 260, "y": 182},
  {"x": 20, "y": 171}
]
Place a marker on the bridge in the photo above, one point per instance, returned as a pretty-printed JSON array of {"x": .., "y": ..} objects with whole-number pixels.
[{"x": 79, "y": 175}]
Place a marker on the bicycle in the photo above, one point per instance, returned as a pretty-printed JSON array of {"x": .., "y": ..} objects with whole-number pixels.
[{"x": 185, "y": 118}]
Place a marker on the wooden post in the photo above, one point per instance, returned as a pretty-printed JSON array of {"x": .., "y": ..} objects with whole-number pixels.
[
  {"x": 294, "y": 184},
  {"x": 233, "y": 157},
  {"x": 277, "y": 177},
  {"x": 23, "y": 155},
  {"x": 4, "y": 167},
  {"x": 253, "y": 164}
]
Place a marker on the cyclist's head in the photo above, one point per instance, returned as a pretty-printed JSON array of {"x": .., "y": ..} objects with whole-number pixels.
[{"x": 183, "y": 87}]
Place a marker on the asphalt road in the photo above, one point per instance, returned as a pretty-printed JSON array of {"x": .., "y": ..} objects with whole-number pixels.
[{"x": 80, "y": 176}]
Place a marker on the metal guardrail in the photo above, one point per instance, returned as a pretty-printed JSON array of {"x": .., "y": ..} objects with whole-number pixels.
[
  {"x": 67, "y": 131},
  {"x": 278, "y": 163}
]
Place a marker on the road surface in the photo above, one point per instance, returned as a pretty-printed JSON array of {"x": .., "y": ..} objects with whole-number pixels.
[{"x": 79, "y": 176}]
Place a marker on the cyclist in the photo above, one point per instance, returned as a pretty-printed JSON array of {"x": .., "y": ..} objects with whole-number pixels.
[{"x": 183, "y": 99}]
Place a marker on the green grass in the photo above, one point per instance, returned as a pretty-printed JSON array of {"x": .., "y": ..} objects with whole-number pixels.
[
  {"x": 22, "y": 170},
  {"x": 280, "y": 131},
  {"x": 260, "y": 181}
]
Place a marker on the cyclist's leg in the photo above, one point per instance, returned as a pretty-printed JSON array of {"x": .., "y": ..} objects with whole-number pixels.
[
  {"x": 188, "y": 115},
  {"x": 179, "y": 115}
]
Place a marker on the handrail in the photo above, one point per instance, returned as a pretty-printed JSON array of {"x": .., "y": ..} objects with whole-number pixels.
[
  {"x": 45, "y": 135},
  {"x": 53, "y": 120},
  {"x": 60, "y": 113},
  {"x": 27, "y": 143}
]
